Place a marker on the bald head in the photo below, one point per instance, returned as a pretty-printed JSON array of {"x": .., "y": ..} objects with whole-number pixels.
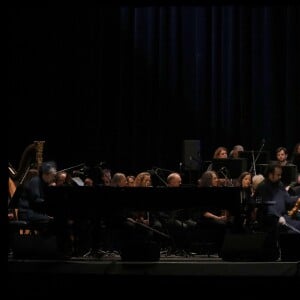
[{"x": 174, "y": 180}]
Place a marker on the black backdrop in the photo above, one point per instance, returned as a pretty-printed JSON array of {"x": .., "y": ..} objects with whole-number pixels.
[{"x": 127, "y": 85}]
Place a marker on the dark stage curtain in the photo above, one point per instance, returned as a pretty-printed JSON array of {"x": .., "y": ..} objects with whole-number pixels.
[{"x": 127, "y": 85}]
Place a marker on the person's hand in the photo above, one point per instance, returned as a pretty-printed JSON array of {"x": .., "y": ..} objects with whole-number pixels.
[
  {"x": 282, "y": 221},
  {"x": 222, "y": 218}
]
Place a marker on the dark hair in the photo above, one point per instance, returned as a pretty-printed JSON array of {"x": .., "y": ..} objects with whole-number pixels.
[
  {"x": 242, "y": 176},
  {"x": 46, "y": 167},
  {"x": 281, "y": 149},
  {"x": 270, "y": 168},
  {"x": 206, "y": 179}
]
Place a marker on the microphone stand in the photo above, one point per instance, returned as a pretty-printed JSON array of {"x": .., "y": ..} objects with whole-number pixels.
[
  {"x": 71, "y": 168},
  {"x": 253, "y": 167},
  {"x": 253, "y": 163},
  {"x": 148, "y": 227},
  {"x": 227, "y": 179},
  {"x": 164, "y": 170},
  {"x": 155, "y": 172}
]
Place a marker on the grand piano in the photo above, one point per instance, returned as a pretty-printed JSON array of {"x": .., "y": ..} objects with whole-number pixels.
[{"x": 84, "y": 200}]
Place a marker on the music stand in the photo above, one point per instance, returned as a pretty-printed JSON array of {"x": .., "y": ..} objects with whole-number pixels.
[
  {"x": 296, "y": 161},
  {"x": 233, "y": 167},
  {"x": 263, "y": 158},
  {"x": 289, "y": 174},
  {"x": 261, "y": 169}
]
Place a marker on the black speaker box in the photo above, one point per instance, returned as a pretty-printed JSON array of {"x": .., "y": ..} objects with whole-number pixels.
[
  {"x": 140, "y": 251},
  {"x": 191, "y": 154},
  {"x": 290, "y": 246},
  {"x": 248, "y": 247}
]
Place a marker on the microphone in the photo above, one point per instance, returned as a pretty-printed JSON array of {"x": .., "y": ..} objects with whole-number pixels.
[
  {"x": 180, "y": 167},
  {"x": 155, "y": 171},
  {"x": 131, "y": 220},
  {"x": 224, "y": 171}
]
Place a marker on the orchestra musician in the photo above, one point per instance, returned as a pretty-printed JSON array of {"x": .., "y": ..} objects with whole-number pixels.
[{"x": 32, "y": 203}]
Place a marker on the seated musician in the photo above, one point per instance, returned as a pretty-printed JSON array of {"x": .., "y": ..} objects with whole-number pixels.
[
  {"x": 210, "y": 179},
  {"x": 281, "y": 157},
  {"x": 119, "y": 180},
  {"x": 32, "y": 203},
  {"x": 173, "y": 220},
  {"x": 272, "y": 213},
  {"x": 214, "y": 221},
  {"x": 136, "y": 222},
  {"x": 247, "y": 209},
  {"x": 220, "y": 152},
  {"x": 234, "y": 153},
  {"x": 282, "y": 160}
]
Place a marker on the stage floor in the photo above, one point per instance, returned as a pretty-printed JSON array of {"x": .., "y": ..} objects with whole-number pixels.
[
  {"x": 172, "y": 275},
  {"x": 172, "y": 265}
]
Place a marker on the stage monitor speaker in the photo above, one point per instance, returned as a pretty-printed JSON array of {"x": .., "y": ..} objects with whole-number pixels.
[
  {"x": 140, "y": 251},
  {"x": 35, "y": 246},
  {"x": 192, "y": 155},
  {"x": 248, "y": 247}
]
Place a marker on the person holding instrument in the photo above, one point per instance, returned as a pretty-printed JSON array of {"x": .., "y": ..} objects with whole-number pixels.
[
  {"x": 295, "y": 211},
  {"x": 272, "y": 212}
]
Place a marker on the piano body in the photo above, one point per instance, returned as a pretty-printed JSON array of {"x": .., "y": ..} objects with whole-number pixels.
[{"x": 84, "y": 200}]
